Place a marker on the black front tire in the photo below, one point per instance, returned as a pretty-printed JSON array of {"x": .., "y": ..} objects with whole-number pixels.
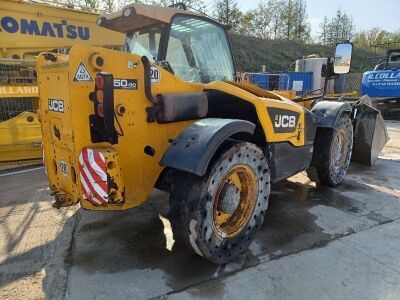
[
  {"x": 193, "y": 199},
  {"x": 331, "y": 159}
]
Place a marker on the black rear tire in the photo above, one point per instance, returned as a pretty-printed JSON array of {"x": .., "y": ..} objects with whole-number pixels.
[
  {"x": 332, "y": 153},
  {"x": 196, "y": 204}
]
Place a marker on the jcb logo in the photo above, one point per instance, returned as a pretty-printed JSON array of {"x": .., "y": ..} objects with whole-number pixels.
[
  {"x": 56, "y": 105},
  {"x": 283, "y": 120}
]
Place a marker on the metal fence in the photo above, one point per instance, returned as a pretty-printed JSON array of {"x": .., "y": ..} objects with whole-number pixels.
[
  {"x": 17, "y": 72},
  {"x": 302, "y": 82},
  {"x": 352, "y": 83},
  {"x": 268, "y": 81},
  {"x": 20, "y": 134},
  {"x": 12, "y": 107}
]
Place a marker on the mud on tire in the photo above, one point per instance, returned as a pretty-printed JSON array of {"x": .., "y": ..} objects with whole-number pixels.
[
  {"x": 332, "y": 153},
  {"x": 218, "y": 214}
]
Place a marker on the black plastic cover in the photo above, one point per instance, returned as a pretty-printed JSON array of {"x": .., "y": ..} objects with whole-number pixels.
[
  {"x": 196, "y": 145},
  {"x": 181, "y": 107},
  {"x": 329, "y": 112},
  {"x": 287, "y": 160}
]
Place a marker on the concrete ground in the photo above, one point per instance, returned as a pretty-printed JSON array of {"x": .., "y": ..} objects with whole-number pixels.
[{"x": 316, "y": 243}]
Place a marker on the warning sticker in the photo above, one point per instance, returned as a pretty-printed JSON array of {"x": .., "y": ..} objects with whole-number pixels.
[
  {"x": 64, "y": 168},
  {"x": 155, "y": 75},
  {"x": 82, "y": 74}
]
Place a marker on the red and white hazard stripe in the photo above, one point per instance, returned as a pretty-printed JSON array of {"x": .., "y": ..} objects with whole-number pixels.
[{"x": 93, "y": 175}]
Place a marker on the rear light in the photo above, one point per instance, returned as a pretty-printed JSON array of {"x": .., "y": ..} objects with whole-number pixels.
[
  {"x": 102, "y": 127},
  {"x": 100, "y": 96},
  {"x": 100, "y": 110},
  {"x": 101, "y": 87},
  {"x": 99, "y": 82}
]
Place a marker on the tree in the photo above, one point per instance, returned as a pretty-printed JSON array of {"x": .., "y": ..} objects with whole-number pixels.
[
  {"x": 293, "y": 20},
  {"x": 376, "y": 36},
  {"x": 245, "y": 26},
  {"x": 227, "y": 12},
  {"x": 91, "y": 5},
  {"x": 261, "y": 20},
  {"x": 336, "y": 29},
  {"x": 110, "y": 5},
  {"x": 324, "y": 27},
  {"x": 287, "y": 18},
  {"x": 276, "y": 7},
  {"x": 277, "y": 19},
  {"x": 197, "y": 5},
  {"x": 301, "y": 25}
]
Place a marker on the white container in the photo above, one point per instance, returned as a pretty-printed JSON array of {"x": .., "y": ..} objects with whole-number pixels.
[{"x": 314, "y": 65}]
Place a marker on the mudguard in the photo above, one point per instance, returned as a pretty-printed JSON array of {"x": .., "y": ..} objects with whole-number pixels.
[
  {"x": 329, "y": 112},
  {"x": 196, "y": 145}
]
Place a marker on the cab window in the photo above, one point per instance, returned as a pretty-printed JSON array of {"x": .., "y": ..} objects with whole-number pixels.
[
  {"x": 198, "y": 50},
  {"x": 144, "y": 42}
]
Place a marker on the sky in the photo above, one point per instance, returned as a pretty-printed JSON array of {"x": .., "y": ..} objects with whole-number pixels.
[{"x": 366, "y": 13}]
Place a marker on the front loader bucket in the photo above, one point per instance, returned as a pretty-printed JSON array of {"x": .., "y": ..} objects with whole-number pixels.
[{"x": 370, "y": 134}]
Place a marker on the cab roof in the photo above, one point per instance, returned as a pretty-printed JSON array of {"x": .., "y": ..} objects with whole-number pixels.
[{"x": 137, "y": 16}]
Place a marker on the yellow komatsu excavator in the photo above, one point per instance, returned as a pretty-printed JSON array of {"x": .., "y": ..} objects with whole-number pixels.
[
  {"x": 167, "y": 113},
  {"x": 26, "y": 29}
]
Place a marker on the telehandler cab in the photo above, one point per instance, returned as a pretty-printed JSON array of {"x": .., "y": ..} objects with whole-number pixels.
[{"x": 166, "y": 113}]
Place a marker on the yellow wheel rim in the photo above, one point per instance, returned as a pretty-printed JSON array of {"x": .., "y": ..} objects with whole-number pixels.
[{"x": 234, "y": 201}]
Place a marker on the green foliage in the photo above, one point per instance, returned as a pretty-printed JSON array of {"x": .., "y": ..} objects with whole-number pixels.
[
  {"x": 336, "y": 29},
  {"x": 197, "y": 5},
  {"x": 294, "y": 24},
  {"x": 227, "y": 12},
  {"x": 278, "y": 19},
  {"x": 377, "y": 36}
]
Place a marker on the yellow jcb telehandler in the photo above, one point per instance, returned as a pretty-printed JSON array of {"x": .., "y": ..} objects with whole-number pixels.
[{"x": 166, "y": 113}]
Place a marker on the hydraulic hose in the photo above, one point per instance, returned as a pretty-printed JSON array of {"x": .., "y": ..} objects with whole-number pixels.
[{"x": 147, "y": 79}]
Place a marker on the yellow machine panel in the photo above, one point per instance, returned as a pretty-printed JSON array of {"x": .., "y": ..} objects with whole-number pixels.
[
  {"x": 20, "y": 138},
  {"x": 27, "y": 28},
  {"x": 77, "y": 107},
  {"x": 261, "y": 105},
  {"x": 32, "y": 27}
]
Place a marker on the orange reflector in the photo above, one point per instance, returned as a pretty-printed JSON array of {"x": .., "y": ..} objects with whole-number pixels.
[
  {"x": 100, "y": 96},
  {"x": 100, "y": 110},
  {"x": 99, "y": 82}
]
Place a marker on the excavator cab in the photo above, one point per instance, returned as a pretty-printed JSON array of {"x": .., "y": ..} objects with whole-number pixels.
[{"x": 390, "y": 62}]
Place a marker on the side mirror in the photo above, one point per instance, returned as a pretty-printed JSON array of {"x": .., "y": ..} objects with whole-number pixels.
[{"x": 343, "y": 55}]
